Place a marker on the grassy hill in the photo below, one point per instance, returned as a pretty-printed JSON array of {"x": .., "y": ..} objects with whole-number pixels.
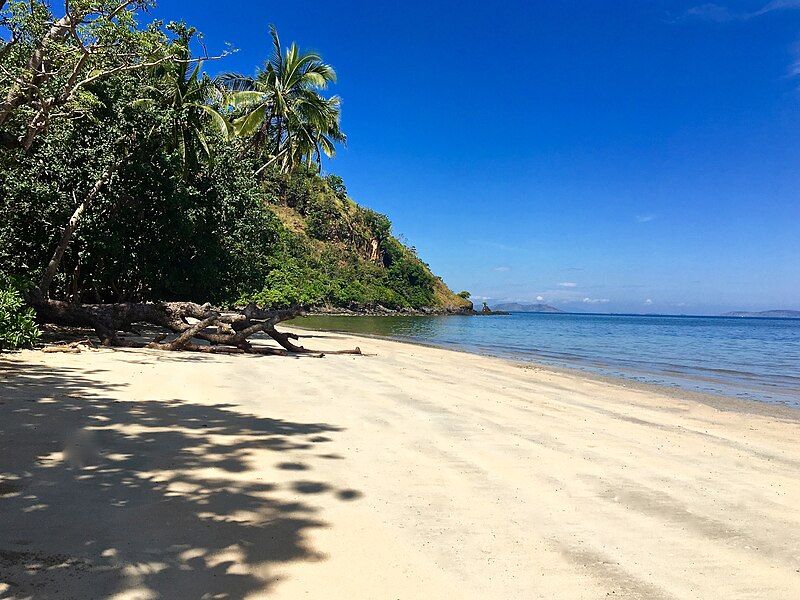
[{"x": 334, "y": 253}]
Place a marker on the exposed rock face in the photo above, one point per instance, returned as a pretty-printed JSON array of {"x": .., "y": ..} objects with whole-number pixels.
[{"x": 375, "y": 254}]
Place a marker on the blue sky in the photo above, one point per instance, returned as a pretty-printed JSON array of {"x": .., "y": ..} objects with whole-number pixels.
[{"x": 600, "y": 155}]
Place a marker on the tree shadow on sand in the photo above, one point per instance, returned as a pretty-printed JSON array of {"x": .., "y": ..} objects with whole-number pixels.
[{"x": 139, "y": 495}]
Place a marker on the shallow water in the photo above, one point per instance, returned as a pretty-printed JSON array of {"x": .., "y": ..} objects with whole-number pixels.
[{"x": 757, "y": 359}]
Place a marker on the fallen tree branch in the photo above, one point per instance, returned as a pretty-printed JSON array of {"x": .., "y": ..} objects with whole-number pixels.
[
  {"x": 64, "y": 349},
  {"x": 184, "y": 338},
  {"x": 223, "y": 332},
  {"x": 70, "y": 347}
]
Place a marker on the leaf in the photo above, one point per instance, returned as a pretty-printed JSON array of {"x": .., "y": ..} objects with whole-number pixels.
[
  {"x": 245, "y": 98},
  {"x": 220, "y": 122},
  {"x": 203, "y": 142},
  {"x": 247, "y": 125},
  {"x": 143, "y": 103}
]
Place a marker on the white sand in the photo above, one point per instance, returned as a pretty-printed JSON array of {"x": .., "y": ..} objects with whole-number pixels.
[{"x": 414, "y": 473}]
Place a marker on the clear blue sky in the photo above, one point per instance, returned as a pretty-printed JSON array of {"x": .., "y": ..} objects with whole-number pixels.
[{"x": 600, "y": 155}]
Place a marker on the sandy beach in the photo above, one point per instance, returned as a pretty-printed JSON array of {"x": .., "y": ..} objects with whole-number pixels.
[{"x": 412, "y": 472}]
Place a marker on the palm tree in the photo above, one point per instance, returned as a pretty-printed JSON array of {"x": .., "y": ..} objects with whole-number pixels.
[
  {"x": 281, "y": 110},
  {"x": 316, "y": 132},
  {"x": 190, "y": 97}
]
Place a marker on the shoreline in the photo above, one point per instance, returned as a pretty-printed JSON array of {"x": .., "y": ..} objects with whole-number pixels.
[
  {"x": 716, "y": 400},
  {"x": 382, "y": 311},
  {"x": 408, "y": 472}
]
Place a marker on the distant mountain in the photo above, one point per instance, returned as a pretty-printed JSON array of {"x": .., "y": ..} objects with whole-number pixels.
[
  {"x": 785, "y": 314},
  {"x": 525, "y": 307}
]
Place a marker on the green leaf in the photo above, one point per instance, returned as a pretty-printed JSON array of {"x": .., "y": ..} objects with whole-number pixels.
[
  {"x": 220, "y": 122},
  {"x": 247, "y": 125}
]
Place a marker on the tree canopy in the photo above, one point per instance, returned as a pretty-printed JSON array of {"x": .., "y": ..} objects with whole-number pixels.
[{"x": 127, "y": 174}]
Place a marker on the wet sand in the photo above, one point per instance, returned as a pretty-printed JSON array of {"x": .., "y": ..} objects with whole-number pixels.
[{"x": 413, "y": 472}]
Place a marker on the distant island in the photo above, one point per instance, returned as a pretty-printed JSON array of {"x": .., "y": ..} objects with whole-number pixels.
[
  {"x": 765, "y": 314},
  {"x": 525, "y": 307}
]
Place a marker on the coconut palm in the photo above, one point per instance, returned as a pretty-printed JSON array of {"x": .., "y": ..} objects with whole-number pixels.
[
  {"x": 314, "y": 133},
  {"x": 281, "y": 111},
  {"x": 190, "y": 96}
]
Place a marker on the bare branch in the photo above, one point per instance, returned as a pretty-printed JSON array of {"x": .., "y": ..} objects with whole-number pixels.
[
  {"x": 108, "y": 319},
  {"x": 191, "y": 332},
  {"x": 72, "y": 225},
  {"x": 142, "y": 65},
  {"x": 122, "y": 6}
]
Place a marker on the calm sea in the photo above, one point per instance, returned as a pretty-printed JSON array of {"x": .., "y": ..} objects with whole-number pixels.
[{"x": 748, "y": 358}]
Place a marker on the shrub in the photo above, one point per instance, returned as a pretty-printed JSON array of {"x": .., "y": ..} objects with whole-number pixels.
[
  {"x": 465, "y": 295},
  {"x": 337, "y": 186},
  {"x": 17, "y": 325}
]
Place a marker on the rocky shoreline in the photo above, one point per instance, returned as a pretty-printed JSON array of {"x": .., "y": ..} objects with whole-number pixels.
[{"x": 382, "y": 311}]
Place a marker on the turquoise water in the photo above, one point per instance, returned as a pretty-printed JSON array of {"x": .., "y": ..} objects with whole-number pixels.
[{"x": 757, "y": 359}]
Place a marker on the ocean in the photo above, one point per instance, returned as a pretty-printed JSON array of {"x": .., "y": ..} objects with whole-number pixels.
[{"x": 750, "y": 358}]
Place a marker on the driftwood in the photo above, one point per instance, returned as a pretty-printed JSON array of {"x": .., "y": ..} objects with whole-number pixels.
[
  {"x": 70, "y": 347},
  {"x": 225, "y": 332},
  {"x": 66, "y": 349}
]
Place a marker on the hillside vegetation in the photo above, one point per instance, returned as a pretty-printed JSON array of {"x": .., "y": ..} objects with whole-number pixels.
[
  {"x": 332, "y": 252},
  {"x": 288, "y": 240},
  {"x": 129, "y": 175}
]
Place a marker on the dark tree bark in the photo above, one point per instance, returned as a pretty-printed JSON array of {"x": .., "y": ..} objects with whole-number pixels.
[{"x": 223, "y": 332}]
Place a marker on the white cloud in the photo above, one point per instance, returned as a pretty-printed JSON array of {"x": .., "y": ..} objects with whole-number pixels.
[
  {"x": 646, "y": 218},
  {"x": 539, "y": 298},
  {"x": 794, "y": 68},
  {"x": 777, "y": 5},
  {"x": 711, "y": 12},
  {"x": 502, "y": 269},
  {"x": 588, "y": 300},
  {"x": 569, "y": 284},
  {"x": 718, "y": 13},
  {"x": 648, "y": 301},
  {"x": 496, "y": 246}
]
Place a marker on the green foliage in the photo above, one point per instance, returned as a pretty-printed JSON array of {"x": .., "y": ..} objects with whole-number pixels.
[
  {"x": 192, "y": 211},
  {"x": 337, "y": 186},
  {"x": 281, "y": 110},
  {"x": 346, "y": 255},
  {"x": 311, "y": 275},
  {"x": 52, "y": 61},
  {"x": 464, "y": 294},
  {"x": 184, "y": 91},
  {"x": 17, "y": 323}
]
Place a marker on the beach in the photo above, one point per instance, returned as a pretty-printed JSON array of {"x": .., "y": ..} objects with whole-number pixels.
[{"x": 410, "y": 472}]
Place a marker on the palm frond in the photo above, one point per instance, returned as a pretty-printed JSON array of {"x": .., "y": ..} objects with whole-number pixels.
[
  {"x": 236, "y": 82},
  {"x": 250, "y": 123}
]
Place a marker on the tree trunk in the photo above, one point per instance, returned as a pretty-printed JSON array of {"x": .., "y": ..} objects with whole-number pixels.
[
  {"x": 19, "y": 95},
  {"x": 72, "y": 225}
]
